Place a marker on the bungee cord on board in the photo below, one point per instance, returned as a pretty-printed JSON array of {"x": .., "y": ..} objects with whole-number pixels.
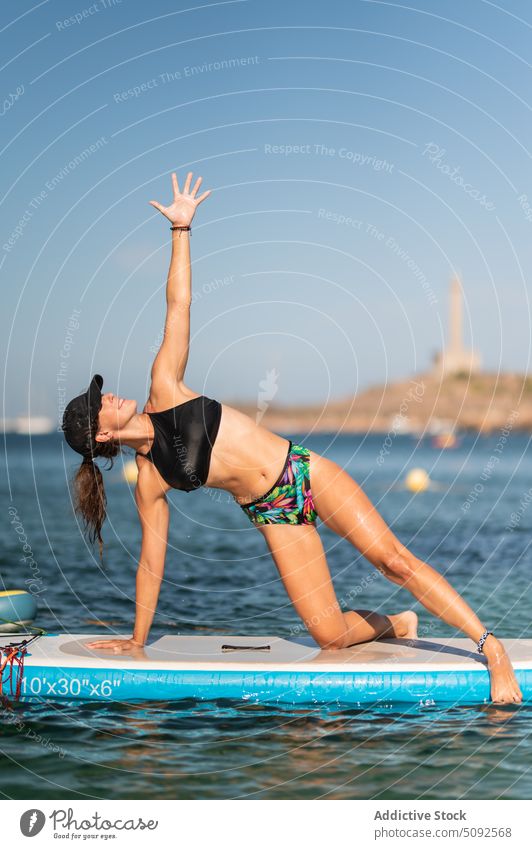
[{"x": 12, "y": 658}]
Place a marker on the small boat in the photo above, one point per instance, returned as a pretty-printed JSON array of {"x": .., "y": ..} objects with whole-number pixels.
[{"x": 445, "y": 440}]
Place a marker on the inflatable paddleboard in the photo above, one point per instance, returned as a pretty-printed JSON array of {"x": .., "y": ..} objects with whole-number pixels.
[
  {"x": 17, "y": 609},
  {"x": 264, "y": 669}
]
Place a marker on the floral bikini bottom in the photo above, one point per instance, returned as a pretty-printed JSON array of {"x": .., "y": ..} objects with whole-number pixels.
[{"x": 289, "y": 501}]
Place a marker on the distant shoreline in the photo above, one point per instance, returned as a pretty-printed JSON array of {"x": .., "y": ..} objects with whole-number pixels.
[{"x": 423, "y": 405}]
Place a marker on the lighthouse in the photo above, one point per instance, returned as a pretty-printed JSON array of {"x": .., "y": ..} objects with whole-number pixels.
[{"x": 456, "y": 358}]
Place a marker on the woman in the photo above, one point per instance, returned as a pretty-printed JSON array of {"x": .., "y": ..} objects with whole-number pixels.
[{"x": 184, "y": 440}]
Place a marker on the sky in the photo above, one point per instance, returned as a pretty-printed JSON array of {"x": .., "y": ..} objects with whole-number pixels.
[{"x": 359, "y": 154}]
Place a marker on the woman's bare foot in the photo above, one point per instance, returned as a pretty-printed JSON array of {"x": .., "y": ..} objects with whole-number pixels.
[
  {"x": 404, "y": 625},
  {"x": 504, "y": 686}
]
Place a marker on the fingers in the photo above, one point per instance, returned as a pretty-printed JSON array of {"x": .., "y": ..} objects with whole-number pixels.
[
  {"x": 175, "y": 184},
  {"x": 203, "y": 196},
  {"x": 107, "y": 644},
  {"x": 186, "y": 192},
  {"x": 188, "y": 181},
  {"x": 196, "y": 186}
]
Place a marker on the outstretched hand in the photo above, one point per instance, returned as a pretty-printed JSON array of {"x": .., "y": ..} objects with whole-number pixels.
[
  {"x": 182, "y": 210},
  {"x": 123, "y": 646}
]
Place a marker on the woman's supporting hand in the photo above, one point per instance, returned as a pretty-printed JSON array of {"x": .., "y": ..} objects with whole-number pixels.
[
  {"x": 182, "y": 210},
  {"x": 123, "y": 646}
]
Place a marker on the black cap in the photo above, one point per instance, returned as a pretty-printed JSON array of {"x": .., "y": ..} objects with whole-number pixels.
[{"x": 79, "y": 417}]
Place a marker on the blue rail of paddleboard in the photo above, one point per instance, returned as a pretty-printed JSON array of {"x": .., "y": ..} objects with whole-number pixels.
[{"x": 114, "y": 684}]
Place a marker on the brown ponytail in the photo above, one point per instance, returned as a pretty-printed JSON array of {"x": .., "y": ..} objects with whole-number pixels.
[{"x": 89, "y": 494}]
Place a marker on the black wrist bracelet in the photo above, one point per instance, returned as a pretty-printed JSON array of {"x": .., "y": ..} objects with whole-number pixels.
[{"x": 182, "y": 228}]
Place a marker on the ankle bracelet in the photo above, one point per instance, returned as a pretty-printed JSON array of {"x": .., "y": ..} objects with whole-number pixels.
[{"x": 480, "y": 644}]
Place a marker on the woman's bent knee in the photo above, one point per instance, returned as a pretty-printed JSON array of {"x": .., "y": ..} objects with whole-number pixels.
[
  {"x": 397, "y": 567},
  {"x": 331, "y": 639}
]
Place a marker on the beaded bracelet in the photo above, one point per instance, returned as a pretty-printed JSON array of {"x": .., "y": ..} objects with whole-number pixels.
[
  {"x": 484, "y": 637},
  {"x": 182, "y": 228}
]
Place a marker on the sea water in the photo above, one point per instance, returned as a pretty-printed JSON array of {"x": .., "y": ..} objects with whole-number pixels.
[{"x": 474, "y": 524}]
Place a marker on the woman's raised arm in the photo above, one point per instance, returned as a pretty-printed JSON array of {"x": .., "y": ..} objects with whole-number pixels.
[{"x": 171, "y": 360}]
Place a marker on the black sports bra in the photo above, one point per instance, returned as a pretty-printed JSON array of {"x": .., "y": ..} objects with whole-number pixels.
[{"x": 183, "y": 440}]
